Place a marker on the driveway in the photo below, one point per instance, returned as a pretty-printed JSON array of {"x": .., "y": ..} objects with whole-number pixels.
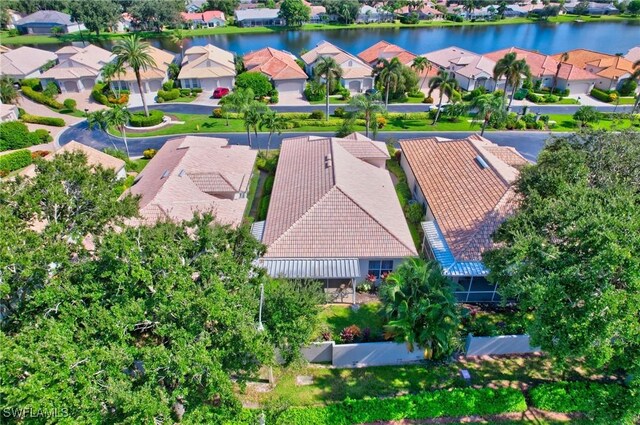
[
  {"x": 34, "y": 108},
  {"x": 291, "y": 98},
  {"x": 83, "y": 101}
]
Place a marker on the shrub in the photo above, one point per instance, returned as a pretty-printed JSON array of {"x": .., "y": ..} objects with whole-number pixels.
[
  {"x": 43, "y": 135},
  {"x": 185, "y": 92},
  {"x": 52, "y": 90},
  {"x": 70, "y": 104},
  {"x": 168, "y": 85},
  {"x": 520, "y": 125},
  {"x": 116, "y": 153},
  {"x": 428, "y": 99},
  {"x": 98, "y": 95},
  {"x": 149, "y": 153},
  {"x": 603, "y": 96},
  {"x": 15, "y": 160},
  {"x": 339, "y": 112},
  {"x": 628, "y": 88},
  {"x": 16, "y": 135},
  {"x": 123, "y": 99},
  {"x": 216, "y": 113},
  {"x": 350, "y": 334},
  {"x": 410, "y": 19},
  {"x": 32, "y": 83},
  {"x": 550, "y": 98},
  {"x": 196, "y": 90},
  {"x": 274, "y": 99},
  {"x": 414, "y": 212},
  {"x": 316, "y": 115},
  {"x": 315, "y": 91},
  {"x": 169, "y": 95},
  {"x": 417, "y": 94},
  {"x": 263, "y": 207},
  {"x": 268, "y": 184},
  {"x": 256, "y": 81},
  {"x": 521, "y": 94},
  {"x": 140, "y": 120},
  {"x": 267, "y": 164},
  {"x": 535, "y": 98},
  {"x": 41, "y": 98},
  {"x": 39, "y": 154},
  {"x": 381, "y": 122},
  {"x": 34, "y": 119},
  {"x": 404, "y": 193}
]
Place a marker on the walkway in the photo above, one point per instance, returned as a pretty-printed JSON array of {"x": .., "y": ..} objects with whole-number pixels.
[{"x": 34, "y": 108}]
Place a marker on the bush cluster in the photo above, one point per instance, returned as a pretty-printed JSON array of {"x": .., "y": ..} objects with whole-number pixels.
[
  {"x": 43, "y": 135},
  {"x": 35, "y": 119},
  {"x": 109, "y": 99},
  {"x": 603, "y": 96},
  {"x": 542, "y": 98},
  {"x": 16, "y": 135},
  {"x": 149, "y": 153},
  {"x": 33, "y": 83},
  {"x": 41, "y": 98},
  {"x": 14, "y": 161},
  {"x": 316, "y": 115},
  {"x": 70, "y": 104},
  {"x": 169, "y": 95},
  {"x": 315, "y": 91},
  {"x": 168, "y": 85},
  {"x": 140, "y": 120}
]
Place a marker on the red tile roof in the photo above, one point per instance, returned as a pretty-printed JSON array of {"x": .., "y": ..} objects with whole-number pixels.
[
  {"x": 204, "y": 16},
  {"x": 276, "y": 64},
  {"x": 384, "y": 49},
  {"x": 614, "y": 66}
]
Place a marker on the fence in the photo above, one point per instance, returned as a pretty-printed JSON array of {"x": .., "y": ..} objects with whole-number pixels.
[{"x": 496, "y": 345}]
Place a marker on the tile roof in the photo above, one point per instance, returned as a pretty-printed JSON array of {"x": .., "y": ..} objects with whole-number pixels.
[
  {"x": 614, "y": 66},
  {"x": 206, "y": 16},
  {"x": 4, "y": 49},
  {"x": 276, "y": 64},
  {"x": 633, "y": 54},
  {"x": 467, "y": 200},
  {"x": 47, "y": 16},
  {"x": 207, "y": 62},
  {"x": 86, "y": 62},
  {"x": 162, "y": 59},
  {"x": 541, "y": 65},
  {"x": 352, "y": 66},
  {"x": 258, "y": 13},
  {"x": 466, "y": 63},
  {"x": 195, "y": 174},
  {"x": 384, "y": 49},
  {"x": 328, "y": 203},
  {"x": 24, "y": 60}
]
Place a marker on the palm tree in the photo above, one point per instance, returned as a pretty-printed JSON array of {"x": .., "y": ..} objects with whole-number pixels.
[
  {"x": 487, "y": 105},
  {"x": 274, "y": 123},
  {"x": 390, "y": 72},
  {"x": 419, "y": 64},
  {"x": 98, "y": 120},
  {"x": 447, "y": 85},
  {"x": 119, "y": 116},
  {"x": 328, "y": 69},
  {"x": 512, "y": 69},
  {"x": 8, "y": 93},
  {"x": 369, "y": 106},
  {"x": 111, "y": 71},
  {"x": 237, "y": 101},
  {"x": 421, "y": 309},
  {"x": 563, "y": 58},
  {"x": 177, "y": 37},
  {"x": 252, "y": 116},
  {"x": 135, "y": 53}
]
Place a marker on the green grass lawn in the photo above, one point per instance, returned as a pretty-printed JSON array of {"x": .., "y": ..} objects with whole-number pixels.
[
  {"x": 137, "y": 165},
  {"x": 337, "y": 317},
  {"x": 626, "y": 101},
  {"x": 253, "y": 187},
  {"x": 333, "y": 100},
  {"x": 184, "y": 99},
  {"x": 563, "y": 101},
  {"x": 566, "y": 123}
]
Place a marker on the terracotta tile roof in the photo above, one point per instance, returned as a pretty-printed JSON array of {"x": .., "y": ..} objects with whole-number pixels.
[
  {"x": 24, "y": 60},
  {"x": 162, "y": 59},
  {"x": 541, "y": 65},
  {"x": 466, "y": 63},
  {"x": 467, "y": 200},
  {"x": 276, "y": 64},
  {"x": 384, "y": 49},
  {"x": 85, "y": 62},
  {"x": 204, "y": 16},
  {"x": 352, "y": 66},
  {"x": 614, "y": 66},
  {"x": 327, "y": 203},
  {"x": 207, "y": 62},
  {"x": 574, "y": 73},
  {"x": 195, "y": 174}
]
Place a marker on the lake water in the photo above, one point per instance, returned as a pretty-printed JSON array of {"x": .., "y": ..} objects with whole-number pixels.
[{"x": 609, "y": 37}]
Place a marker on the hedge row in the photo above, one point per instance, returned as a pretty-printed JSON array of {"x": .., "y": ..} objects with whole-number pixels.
[
  {"x": 140, "y": 120},
  {"x": 41, "y": 98},
  {"x": 586, "y": 397},
  {"x": 14, "y": 161},
  {"x": 604, "y": 96},
  {"x": 168, "y": 95},
  {"x": 35, "y": 119}
]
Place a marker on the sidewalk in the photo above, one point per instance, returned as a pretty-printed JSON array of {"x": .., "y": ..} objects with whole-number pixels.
[{"x": 34, "y": 108}]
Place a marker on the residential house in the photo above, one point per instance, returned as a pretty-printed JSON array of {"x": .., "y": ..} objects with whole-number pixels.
[
  {"x": 78, "y": 68},
  {"x": 318, "y": 13},
  {"x": 466, "y": 186},
  {"x": 207, "y": 67},
  {"x": 469, "y": 69},
  {"x": 281, "y": 68},
  {"x": 152, "y": 78},
  {"x": 25, "y": 62},
  {"x": 385, "y": 50},
  {"x": 593, "y": 8},
  {"x": 259, "y": 17},
  {"x": 125, "y": 23},
  {"x": 633, "y": 55},
  {"x": 208, "y": 19},
  {"x": 193, "y": 174},
  {"x": 610, "y": 71},
  {"x": 368, "y": 14},
  {"x": 544, "y": 68},
  {"x": 194, "y": 6},
  {"x": 425, "y": 12},
  {"x": 43, "y": 22},
  {"x": 8, "y": 112},
  {"x": 334, "y": 215},
  {"x": 356, "y": 74},
  {"x": 95, "y": 158},
  {"x": 14, "y": 17}
]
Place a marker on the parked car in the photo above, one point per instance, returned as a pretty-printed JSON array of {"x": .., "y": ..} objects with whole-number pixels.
[
  {"x": 220, "y": 92},
  {"x": 371, "y": 92},
  {"x": 442, "y": 108}
]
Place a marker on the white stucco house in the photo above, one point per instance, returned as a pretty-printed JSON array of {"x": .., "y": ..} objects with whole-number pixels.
[
  {"x": 356, "y": 74},
  {"x": 43, "y": 22},
  {"x": 207, "y": 67},
  {"x": 25, "y": 62},
  {"x": 152, "y": 78},
  {"x": 78, "y": 69}
]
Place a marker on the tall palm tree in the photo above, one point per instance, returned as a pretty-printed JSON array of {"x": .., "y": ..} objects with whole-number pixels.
[
  {"x": 390, "y": 72},
  {"x": 512, "y": 69},
  {"x": 237, "y": 101},
  {"x": 419, "y": 64},
  {"x": 177, "y": 37},
  {"x": 487, "y": 105},
  {"x": 8, "y": 93},
  {"x": 119, "y": 116},
  {"x": 111, "y": 71},
  {"x": 368, "y": 106},
  {"x": 421, "y": 309},
  {"x": 563, "y": 58},
  {"x": 135, "y": 53},
  {"x": 274, "y": 123},
  {"x": 98, "y": 120},
  {"x": 328, "y": 69},
  {"x": 446, "y": 84},
  {"x": 252, "y": 116}
]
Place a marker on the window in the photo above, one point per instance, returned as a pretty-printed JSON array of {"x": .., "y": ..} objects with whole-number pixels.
[
  {"x": 379, "y": 268},
  {"x": 195, "y": 83}
]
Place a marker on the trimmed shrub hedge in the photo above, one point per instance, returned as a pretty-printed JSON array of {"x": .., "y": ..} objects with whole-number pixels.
[
  {"x": 604, "y": 96},
  {"x": 404, "y": 193},
  {"x": 140, "y": 120},
  {"x": 169, "y": 95},
  {"x": 570, "y": 397},
  {"x": 70, "y": 104},
  {"x": 15, "y": 160},
  {"x": 31, "y": 83},
  {"x": 35, "y": 119},
  {"x": 196, "y": 90},
  {"x": 41, "y": 98},
  {"x": 43, "y": 135},
  {"x": 263, "y": 208},
  {"x": 268, "y": 184},
  {"x": 16, "y": 135},
  {"x": 97, "y": 94}
]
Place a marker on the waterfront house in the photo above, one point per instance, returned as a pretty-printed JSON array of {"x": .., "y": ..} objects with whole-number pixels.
[
  {"x": 43, "y": 22},
  {"x": 282, "y": 69},
  {"x": 25, "y": 62},
  {"x": 208, "y": 19},
  {"x": 152, "y": 78},
  {"x": 194, "y": 6},
  {"x": 194, "y": 174},
  {"x": 78, "y": 68},
  {"x": 385, "y": 50},
  {"x": 259, "y": 17},
  {"x": 334, "y": 215},
  {"x": 425, "y": 12},
  {"x": 368, "y": 14},
  {"x": 318, "y": 13},
  {"x": 610, "y": 71},
  {"x": 356, "y": 74},
  {"x": 593, "y": 8},
  {"x": 466, "y": 187},
  {"x": 207, "y": 67}
]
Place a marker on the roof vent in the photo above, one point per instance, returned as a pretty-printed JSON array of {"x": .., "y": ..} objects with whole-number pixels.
[
  {"x": 482, "y": 162},
  {"x": 327, "y": 161},
  {"x": 165, "y": 174},
  {"x": 181, "y": 173}
]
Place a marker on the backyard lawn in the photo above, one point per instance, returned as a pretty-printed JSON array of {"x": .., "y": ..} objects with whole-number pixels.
[{"x": 338, "y": 316}]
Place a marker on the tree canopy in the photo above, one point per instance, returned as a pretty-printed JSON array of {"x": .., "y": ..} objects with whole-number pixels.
[
  {"x": 294, "y": 12},
  {"x": 96, "y": 15},
  {"x": 571, "y": 253}
]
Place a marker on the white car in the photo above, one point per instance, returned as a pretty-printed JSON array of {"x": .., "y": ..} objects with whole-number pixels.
[{"x": 442, "y": 108}]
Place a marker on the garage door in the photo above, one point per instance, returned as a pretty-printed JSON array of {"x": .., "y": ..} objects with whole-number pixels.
[
  {"x": 87, "y": 83},
  {"x": 355, "y": 86},
  {"x": 155, "y": 85},
  {"x": 579, "y": 88},
  {"x": 70, "y": 87},
  {"x": 290, "y": 87}
]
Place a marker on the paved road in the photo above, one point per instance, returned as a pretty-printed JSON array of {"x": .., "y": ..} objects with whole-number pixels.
[{"x": 528, "y": 143}]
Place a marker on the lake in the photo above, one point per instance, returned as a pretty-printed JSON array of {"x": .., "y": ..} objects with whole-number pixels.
[{"x": 609, "y": 37}]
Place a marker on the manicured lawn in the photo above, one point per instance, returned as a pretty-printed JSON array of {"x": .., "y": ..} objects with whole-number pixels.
[
  {"x": 185, "y": 99},
  {"x": 333, "y": 100},
  {"x": 137, "y": 165},
  {"x": 338, "y": 317},
  {"x": 626, "y": 101},
  {"x": 566, "y": 123},
  {"x": 563, "y": 101},
  {"x": 253, "y": 186}
]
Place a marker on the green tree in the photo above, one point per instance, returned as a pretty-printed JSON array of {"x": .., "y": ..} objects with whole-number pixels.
[
  {"x": 346, "y": 11},
  {"x": 486, "y": 105},
  {"x": 177, "y": 37},
  {"x": 446, "y": 84},
  {"x": 636, "y": 78},
  {"x": 274, "y": 123},
  {"x": 252, "y": 116},
  {"x": 8, "y": 93},
  {"x": 389, "y": 74},
  {"x": 570, "y": 253},
  {"x": 327, "y": 69},
  {"x": 256, "y": 81},
  {"x": 112, "y": 71},
  {"x": 237, "y": 101},
  {"x": 421, "y": 309},
  {"x": 586, "y": 115},
  {"x": 369, "y": 107},
  {"x": 226, "y": 6},
  {"x": 134, "y": 52},
  {"x": 513, "y": 70},
  {"x": 294, "y": 12},
  {"x": 155, "y": 14},
  {"x": 96, "y": 15},
  {"x": 119, "y": 117},
  {"x": 419, "y": 65},
  {"x": 634, "y": 7},
  {"x": 99, "y": 120}
]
